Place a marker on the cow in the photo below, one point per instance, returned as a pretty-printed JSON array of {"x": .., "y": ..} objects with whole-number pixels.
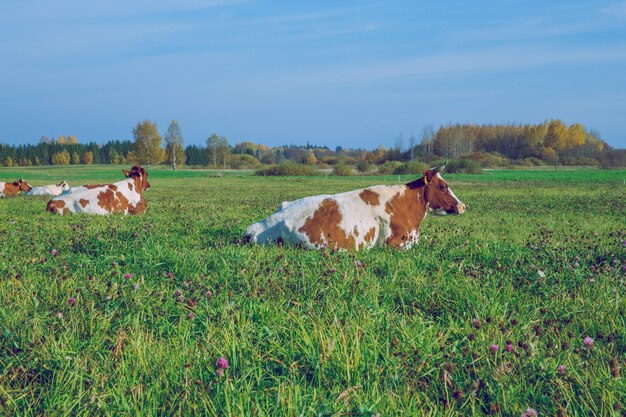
[
  {"x": 362, "y": 219},
  {"x": 11, "y": 189},
  {"x": 51, "y": 190},
  {"x": 124, "y": 197}
]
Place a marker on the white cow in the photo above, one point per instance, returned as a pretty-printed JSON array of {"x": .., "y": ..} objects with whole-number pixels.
[
  {"x": 375, "y": 216},
  {"x": 51, "y": 190}
]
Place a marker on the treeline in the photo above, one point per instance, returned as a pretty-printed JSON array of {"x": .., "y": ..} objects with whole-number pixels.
[{"x": 548, "y": 143}]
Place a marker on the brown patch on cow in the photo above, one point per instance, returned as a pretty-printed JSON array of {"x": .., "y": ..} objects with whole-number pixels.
[
  {"x": 83, "y": 203},
  {"x": 11, "y": 189},
  {"x": 324, "y": 225},
  {"x": 113, "y": 187},
  {"x": 139, "y": 208},
  {"x": 407, "y": 210},
  {"x": 130, "y": 186},
  {"x": 369, "y": 236},
  {"x": 112, "y": 202},
  {"x": 370, "y": 197},
  {"x": 57, "y": 207},
  {"x": 92, "y": 186}
]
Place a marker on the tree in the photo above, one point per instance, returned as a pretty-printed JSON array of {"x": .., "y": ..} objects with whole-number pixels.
[
  {"x": 37, "y": 161},
  {"x": 61, "y": 158},
  {"x": 71, "y": 140},
  {"x": 8, "y": 162},
  {"x": 147, "y": 146},
  {"x": 174, "y": 150},
  {"x": 75, "y": 158},
  {"x": 310, "y": 158},
  {"x": 88, "y": 158},
  {"x": 556, "y": 138},
  {"x": 217, "y": 147}
]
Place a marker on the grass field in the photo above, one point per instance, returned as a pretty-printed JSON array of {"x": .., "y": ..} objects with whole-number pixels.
[{"x": 536, "y": 265}]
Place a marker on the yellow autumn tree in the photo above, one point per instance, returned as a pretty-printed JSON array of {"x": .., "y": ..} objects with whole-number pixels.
[{"x": 147, "y": 147}]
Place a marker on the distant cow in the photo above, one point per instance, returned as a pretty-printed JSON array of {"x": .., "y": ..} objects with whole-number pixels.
[
  {"x": 374, "y": 216},
  {"x": 52, "y": 190},
  {"x": 124, "y": 197},
  {"x": 11, "y": 189}
]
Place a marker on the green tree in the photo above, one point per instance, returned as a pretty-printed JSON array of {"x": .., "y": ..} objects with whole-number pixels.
[
  {"x": 75, "y": 158},
  {"x": 217, "y": 148},
  {"x": 174, "y": 150},
  {"x": 147, "y": 146}
]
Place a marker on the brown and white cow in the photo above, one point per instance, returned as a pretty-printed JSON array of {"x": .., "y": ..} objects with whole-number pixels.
[
  {"x": 124, "y": 197},
  {"x": 11, "y": 189},
  {"x": 375, "y": 216}
]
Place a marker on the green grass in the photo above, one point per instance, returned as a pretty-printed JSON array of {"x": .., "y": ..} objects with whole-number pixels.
[{"x": 312, "y": 333}]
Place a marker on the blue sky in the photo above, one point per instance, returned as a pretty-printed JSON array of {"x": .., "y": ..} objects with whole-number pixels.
[{"x": 355, "y": 73}]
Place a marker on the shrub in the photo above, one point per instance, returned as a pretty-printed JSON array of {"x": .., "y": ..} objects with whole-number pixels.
[
  {"x": 412, "y": 167},
  {"x": 463, "y": 166},
  {"x": 244, "y": 161},
  {"x": 287, "y": 168},
  {"x": 363, "y": 167},
  {"x": 388, "y": 167},
  {"x": 342, "y": 170}
]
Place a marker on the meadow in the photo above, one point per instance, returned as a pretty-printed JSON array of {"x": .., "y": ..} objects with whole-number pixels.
[{"x": 518, "y": 303}]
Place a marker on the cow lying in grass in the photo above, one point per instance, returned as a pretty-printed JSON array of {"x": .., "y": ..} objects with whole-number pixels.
[
  {"x": 375, "y": 216},
  {"x": 11, "y": 189},
  {"x": 124, "y": 197},
  {"x": 51, "y": 190}
]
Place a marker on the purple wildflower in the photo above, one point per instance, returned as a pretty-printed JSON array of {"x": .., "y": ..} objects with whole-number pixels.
[
  {"x": 71, "y": 301},
  {"x": 476, "y": 323},
  {"x": 136, "y": 287},
  {"x": 60, "y": 315},
  {"x": 209, "y": 293},
  {"x": 561, "y": 369},
  {"x": 358, "y": 264},
  {"x": 128, "y": 276},
  {"x": 280, "y": 269},
  {"x": 220, "y": 372},
  {"x": 222, "y": 363},
  {"x": 530, "y": 412},
  {"x": 588, "y": 342},
  {"x": 170, "y": 275},
  {"x": 509, "y": 347},
  {"x": 54, "y": 252},
  {"x": 494, "y": 347},
  {"x": 190, "y": 316}
]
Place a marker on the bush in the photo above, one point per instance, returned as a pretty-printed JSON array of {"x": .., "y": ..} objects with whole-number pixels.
[
  {"x": 463, "y": 166},
  {"x": 342, "y": 170},
  {"x": 363, "y": 167},
  {"x": 244, "y": 161},
  {"x": 412, "y": 167},
  {"x": 287, "y": 168},
  {"x": 388, "y": 167}
]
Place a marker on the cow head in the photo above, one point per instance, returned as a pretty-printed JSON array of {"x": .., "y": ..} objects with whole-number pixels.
[
  {"x": 22, "y": 185},
  {"x": 63, "y": 185},
  {"x": 441, "y": 200},
  {"x": 140, "y": 175}
]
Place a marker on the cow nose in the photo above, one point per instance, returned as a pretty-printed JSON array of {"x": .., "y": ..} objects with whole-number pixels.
[{"x": 460, "y": 208}]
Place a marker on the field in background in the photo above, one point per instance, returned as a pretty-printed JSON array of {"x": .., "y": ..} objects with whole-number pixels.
[{"x": 534, "y": 267}]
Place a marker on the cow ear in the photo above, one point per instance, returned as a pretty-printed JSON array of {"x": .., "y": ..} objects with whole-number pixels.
[
  {"x": 428, "y": 176},
  {"x": 126, "y": 173}
]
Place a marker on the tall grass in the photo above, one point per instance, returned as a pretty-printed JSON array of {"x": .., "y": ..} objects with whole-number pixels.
[{"x": 534, "y": 266}]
